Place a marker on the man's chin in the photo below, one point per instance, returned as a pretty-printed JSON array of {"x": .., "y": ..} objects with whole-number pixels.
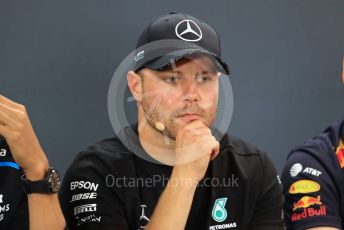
[{"x": 184, "y": 120}]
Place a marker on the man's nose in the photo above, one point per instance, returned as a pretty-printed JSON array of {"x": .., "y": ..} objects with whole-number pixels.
[{"x": 190, "y": 92}]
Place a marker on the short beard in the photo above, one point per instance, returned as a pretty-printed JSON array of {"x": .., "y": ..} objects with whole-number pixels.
[{"x": 152, "y": 117}]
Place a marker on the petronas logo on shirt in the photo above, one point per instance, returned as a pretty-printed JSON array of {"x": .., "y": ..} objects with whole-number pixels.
[
  {"x": 340, "y": 153},
  {"x": 219, "y": 212}
]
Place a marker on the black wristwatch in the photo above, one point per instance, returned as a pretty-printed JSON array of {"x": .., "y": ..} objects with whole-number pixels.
[{"x": 49, "y": 185}]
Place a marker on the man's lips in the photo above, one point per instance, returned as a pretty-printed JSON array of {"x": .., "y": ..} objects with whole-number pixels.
[{"x": 189, "y": 116}]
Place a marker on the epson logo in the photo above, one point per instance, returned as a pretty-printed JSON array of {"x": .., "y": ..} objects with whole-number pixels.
[
  {"x": 84, "y": 196},
  {"x": 85, "y": 208},
  {"x": 83, "y": 185},
  {"x": 3, "y": 152}
]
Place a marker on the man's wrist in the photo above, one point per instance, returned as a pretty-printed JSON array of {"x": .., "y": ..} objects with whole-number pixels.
[
  {"x": 37, "y": 171},
  {"x": 180, "y": 179}
]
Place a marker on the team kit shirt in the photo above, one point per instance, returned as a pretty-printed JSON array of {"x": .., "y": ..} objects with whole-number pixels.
[
  {"x": 13, "y": 200},
  {"x": 109, "y": 187},
  {"x": 313, "y": 180}
]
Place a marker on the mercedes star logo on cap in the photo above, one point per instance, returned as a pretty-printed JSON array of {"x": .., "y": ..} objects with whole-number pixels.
[{"x": 187, "y": 29}]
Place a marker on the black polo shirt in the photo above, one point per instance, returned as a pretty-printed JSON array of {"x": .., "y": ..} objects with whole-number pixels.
[
  {"x": 109, "y": 187},
  {"x": 13, "y": 200},
  {"x": 313, "y": 180}
]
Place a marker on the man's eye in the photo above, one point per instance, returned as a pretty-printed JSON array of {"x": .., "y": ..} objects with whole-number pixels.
[
  {"x": 203, "y": 78},
  {"x": 171, "y": 79}
]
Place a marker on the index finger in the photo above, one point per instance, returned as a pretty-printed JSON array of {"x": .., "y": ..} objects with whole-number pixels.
[
  {"x": 9, "y": 102},
  {"x": 195, "y": 126}
]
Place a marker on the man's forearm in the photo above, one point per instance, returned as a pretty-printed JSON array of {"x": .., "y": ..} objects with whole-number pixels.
[
  {"x": 45, "y": 212},
  {"x": 16, "y": 128},
  {"x": 174, "y": 204},
  {"x": 44, "y": 209}
]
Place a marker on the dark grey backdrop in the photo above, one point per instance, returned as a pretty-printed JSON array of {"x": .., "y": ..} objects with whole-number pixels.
[{"x": 58, "y": 57}]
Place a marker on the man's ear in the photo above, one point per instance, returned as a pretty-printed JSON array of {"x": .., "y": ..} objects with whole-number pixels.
[{"x": 135, "y": 85}]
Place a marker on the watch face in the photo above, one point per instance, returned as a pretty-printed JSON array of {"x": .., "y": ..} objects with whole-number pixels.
[{"x": 54, "y": 180}]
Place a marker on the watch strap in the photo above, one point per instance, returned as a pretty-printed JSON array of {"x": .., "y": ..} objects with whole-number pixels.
[{"x": 41, "y": 186}]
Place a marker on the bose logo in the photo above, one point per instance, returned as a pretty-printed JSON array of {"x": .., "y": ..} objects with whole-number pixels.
[{"x": 84, "y": 196}]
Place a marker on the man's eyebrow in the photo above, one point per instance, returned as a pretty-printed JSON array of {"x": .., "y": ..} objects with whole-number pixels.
[
  {"x": 212, "y": 71},
  {"x": 209, "y": 71},
  {"x": 169, "y": 71}
]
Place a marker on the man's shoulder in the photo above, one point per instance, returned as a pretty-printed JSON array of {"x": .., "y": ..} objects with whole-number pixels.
[
  {"x": 321, "y": 146},
  {"x": 240, "y": 147},
  {"x": 244, "y": 153},
  {"x": 107, "y": 151}
]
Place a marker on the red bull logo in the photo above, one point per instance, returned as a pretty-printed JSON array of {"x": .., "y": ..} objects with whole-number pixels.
[
  {"x": 340, "y": 153},
  {"x": 307, "y": 201},
  {"x": 309, "y": 212}
]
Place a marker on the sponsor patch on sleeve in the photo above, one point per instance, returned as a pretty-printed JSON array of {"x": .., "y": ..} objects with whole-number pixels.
[{"x": 304, "y": 186}]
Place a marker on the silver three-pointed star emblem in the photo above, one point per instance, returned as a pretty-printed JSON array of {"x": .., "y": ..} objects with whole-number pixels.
[{"x": 188, "y": 27}]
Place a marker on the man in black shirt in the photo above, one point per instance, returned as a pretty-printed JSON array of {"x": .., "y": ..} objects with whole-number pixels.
[
  {"x": 185, "y": 177},
  {"x": 313, "y": 182},
  {"x": 13, "y": 201},
  {"x": 28, "y": 186}
]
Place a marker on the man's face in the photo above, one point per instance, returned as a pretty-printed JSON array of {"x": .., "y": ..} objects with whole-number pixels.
[{"x": 184, "y": 92}]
